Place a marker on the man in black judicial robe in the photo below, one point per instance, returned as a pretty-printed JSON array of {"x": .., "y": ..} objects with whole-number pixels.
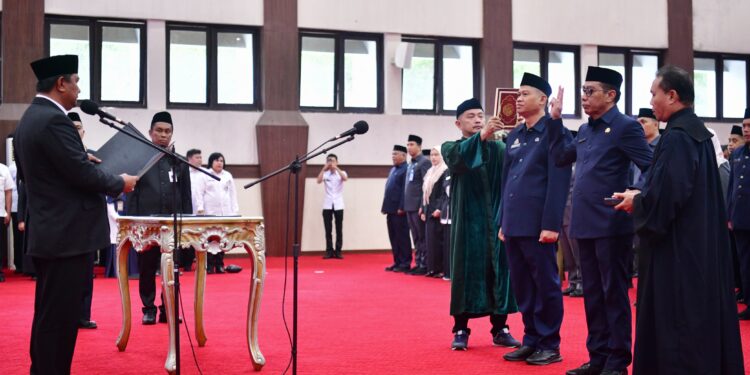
[
  {"x": 686, "y": 322},
  {"x": 153, "y": 196},
  {"x": 67, "y": 218}
]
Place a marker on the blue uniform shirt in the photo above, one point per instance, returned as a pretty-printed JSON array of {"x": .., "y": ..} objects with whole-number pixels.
[
  {"x": 602, "y": 151},
  {"x": 738, "y": 196},
  {"x": 534, "y": 189},
  {"x": 393, "y": 200}
]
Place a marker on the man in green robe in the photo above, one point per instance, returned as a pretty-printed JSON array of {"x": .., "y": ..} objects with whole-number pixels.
[{"x": 480, "y": 281}]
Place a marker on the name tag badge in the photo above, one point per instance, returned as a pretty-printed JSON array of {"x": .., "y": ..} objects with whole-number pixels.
[
  {"x": 515, "y": 144},
  {"x": 536, "y": 139},
  {"x": 411, "y": 175},
  {"x": 171, "y": 176},
  {"x": 119, "y": 206}
]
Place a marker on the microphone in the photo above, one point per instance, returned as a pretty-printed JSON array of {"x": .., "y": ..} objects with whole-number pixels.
[
  {"x": 360, "y": 127},
  {"x": 91, "y": 108}
]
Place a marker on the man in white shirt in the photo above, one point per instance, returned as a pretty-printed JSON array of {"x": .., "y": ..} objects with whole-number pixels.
[
  {"x": 333, "y": 203},
  {"x": 6, "y": 182},
  {"x": 197, "y": 188}
]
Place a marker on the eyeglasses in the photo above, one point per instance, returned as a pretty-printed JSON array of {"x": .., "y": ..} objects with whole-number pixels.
[{"x": 588, "y": 91}]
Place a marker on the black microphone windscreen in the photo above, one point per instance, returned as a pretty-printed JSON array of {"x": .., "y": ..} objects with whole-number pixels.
[
  {"x": 89, "y": 107},
  {"x": 361, "y": 127}
]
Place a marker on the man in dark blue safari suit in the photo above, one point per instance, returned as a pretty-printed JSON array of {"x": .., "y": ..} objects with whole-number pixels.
[
  {"x": 603, "y": 150},
  {"x": 393, "y": 209}
]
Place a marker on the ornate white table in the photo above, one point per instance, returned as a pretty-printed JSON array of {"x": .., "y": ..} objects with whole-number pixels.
[{"x": 204, "y": 234}]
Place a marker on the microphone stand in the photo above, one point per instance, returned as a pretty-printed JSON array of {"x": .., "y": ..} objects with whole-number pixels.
[
  {"x": 294, "y": 168},
  {"x": 176, "y": 159}
]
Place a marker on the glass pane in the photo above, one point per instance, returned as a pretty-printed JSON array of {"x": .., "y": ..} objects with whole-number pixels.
[
  {"x": 235, "y": 68},
  {"x": 644, "y": 72},
  {"x": 458, "y": 75},
  {"x": 525, "y": 61},
  {"x": 187, "y": 66},
  {"x": 316, "y": 72},
  {"x": 704, "y": 77},
  {"x": 735, "y": 88},
  {"x": 418, "y": 89},
  {"x": 121, "y": 64},
  {"x": 73, "y": 40},
  {"x": 360, "y": 73},
  {"x": 561, "y": 71},
  {"x": 616, "y": 62}
]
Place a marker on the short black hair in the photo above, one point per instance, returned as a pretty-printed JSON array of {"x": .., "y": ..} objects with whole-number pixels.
[
  {"x": 679, "y": 80},
  {"x": 215, "y": 156},
  {"x": 332, "y": 156},
  {"x": 608, "y": 87},
  {"x": 47, "y": 84},
  {"x": 192, "y": 151}
]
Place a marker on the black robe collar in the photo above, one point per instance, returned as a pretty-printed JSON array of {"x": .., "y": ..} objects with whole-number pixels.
[{"x": 686, "y": 120}]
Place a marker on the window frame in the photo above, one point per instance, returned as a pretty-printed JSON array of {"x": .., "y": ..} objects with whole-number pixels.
[
  {"x": 544, "y": 49},
  {"x": 339, "y": 90},
  {"x": 95, "y": 26},
  {"x": 719, "y": 57},
  {"x": 212, "y": 66},
  {"x": 629, "y": 53},
  {"x": 437, "y": 89}
]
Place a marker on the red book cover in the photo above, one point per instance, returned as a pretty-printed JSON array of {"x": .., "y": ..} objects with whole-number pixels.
[{"x": 505, "y": 106}]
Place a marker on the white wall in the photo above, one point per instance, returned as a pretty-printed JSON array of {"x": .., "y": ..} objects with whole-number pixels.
[
  {"x": 417, "y": 17},
  {"x": 364, "y": 225},
  {"x": 720, "y": 26},
  {"x": 236, "y": 12},
  {"x": 632, "y": 23}
]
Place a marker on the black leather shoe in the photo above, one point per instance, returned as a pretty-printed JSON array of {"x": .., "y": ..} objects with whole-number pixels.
[
  {"x": 338, "y": 255},
  {"x": 744, "y": 315},
  {"x": 519, "y": 354},
  {"x": 577, "y": 293},
  {"x": 328, "y": 255},
  {"x": 568, "y": 290},
  {"x": 615, "y": 372},
  {"x": 391, "y": 268},
  {"x": 401, "y": 269},
  {"x": 149, "y": 318},
  {"x": 418, "y": 271},
  {"x": 220, "y": 269},
  {"x": 585, "y": 369},
  {"x": 87, "y": 324},
  {"x": 544, "y": 357}
]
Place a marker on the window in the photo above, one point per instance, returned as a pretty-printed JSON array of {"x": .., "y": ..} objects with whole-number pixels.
[
  {"x": 559, "y": 65},
  {"x": 212, "y": 67},
  {"x": 443, "y": 73},
  {"x": 341, "y": 72},
  {"x": 721, "y": 85},
  {"x": 638, "y": 69},
  {"x": 111, "y": 57}
]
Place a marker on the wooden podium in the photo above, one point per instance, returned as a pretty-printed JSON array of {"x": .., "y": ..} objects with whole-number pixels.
[{"x": 203, "y": 234}]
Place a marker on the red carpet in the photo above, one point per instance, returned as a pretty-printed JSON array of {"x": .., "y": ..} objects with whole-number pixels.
[{"x": 354, "y": 319}]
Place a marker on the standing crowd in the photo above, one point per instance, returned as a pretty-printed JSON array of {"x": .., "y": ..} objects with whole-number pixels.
[{"x": 621, "y": 197}]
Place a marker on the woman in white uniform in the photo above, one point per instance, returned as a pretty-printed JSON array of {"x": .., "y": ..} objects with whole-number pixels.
[{"x": 220, "y": 199}]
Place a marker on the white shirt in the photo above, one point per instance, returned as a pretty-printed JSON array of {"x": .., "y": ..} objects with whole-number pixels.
[
  {"x": 220, "y": 197},
  {"x": 112, "y": 215},
  {"x": 334, "y": 187},
  {"x": 197, "y": 189},
  {"x": 13, "y": 172},
  {"x": 6, "y": 182}
]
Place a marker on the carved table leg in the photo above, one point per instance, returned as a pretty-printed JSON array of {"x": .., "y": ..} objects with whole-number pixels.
[
  {"x": 167, "y": 277},
  {"x": 200, "y": 287},
  {"x": 253, "y": 306},
  {"x": 122, "y": 277}
]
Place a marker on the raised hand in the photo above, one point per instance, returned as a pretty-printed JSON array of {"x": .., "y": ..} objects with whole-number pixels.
[{"x": 556, "y": 104}]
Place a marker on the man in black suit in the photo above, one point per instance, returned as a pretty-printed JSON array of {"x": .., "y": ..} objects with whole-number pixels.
[
  {"x": 67, "y": 218},
  {"x": 415, "y": 172},
  {"x": 154, "y": 196}
]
